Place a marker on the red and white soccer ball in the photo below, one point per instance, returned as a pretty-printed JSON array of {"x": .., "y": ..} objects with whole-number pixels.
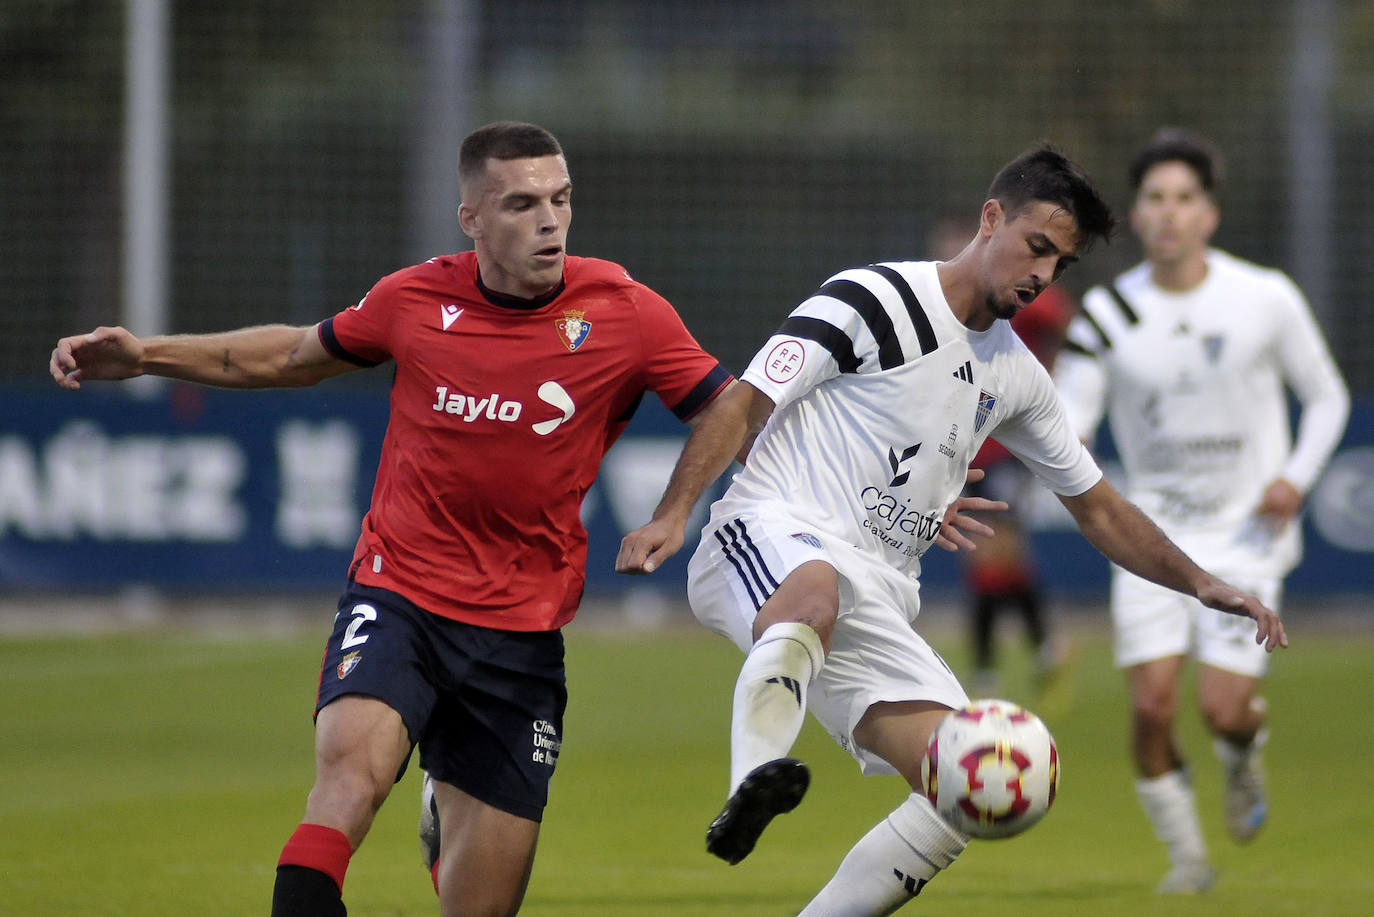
[{"x": 991, "y": 769}]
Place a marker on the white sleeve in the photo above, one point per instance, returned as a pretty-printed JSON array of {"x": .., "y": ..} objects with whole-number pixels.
[
  {"x": 1081, "y": 380},
  {"x": 823, "y": 337},
  {"x": 1041, "y": 436},
  {"x": 788, "y": 367},
  {"x": 1312, "y": 374}
]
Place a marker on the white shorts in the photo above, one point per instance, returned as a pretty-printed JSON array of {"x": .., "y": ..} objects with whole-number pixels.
[
  {"x": 1152, "y": 622},
  {"x": 875, "y": 654}
]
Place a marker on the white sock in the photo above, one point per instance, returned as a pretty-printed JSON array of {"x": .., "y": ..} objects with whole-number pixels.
[
  {"x": 1168, "y": 801},
  {"x": 890, "y": 864},
  {"x": 770, "y": 696}
]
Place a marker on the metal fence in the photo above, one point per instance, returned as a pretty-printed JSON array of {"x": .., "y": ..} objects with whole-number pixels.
[{"x": 731, "y": 154}]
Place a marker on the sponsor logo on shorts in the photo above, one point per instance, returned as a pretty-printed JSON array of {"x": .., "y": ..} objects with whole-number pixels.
[
  {"x": 349, "y": 663},
  {"x": 546, "y": 742},
  {"x": 807, "y": 538}
]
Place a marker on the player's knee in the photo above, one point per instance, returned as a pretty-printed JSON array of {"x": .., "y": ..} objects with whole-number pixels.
[
  {"x": 812, "y": 612},
  {"x": 349, "y": 791},
  {"x": 1227, "y": 715},
  {"x": 804, "y": 636},
  {"x": 1155, "y": 708},
  {"x": 360, "y": 747},
  {"x": 346, "y": 801},
  {"x": 899, "y": 732},
  {"x": 809, "y": 595}
]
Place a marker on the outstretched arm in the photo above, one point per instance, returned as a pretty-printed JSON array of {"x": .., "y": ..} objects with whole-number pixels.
[
  {"x": 265, "y": 356},
  {"x": 723, "y": 431},
  {"x": 1127, "y": 536}
]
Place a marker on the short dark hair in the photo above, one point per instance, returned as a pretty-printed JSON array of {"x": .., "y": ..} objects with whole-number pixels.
[
  {"x": 1044, "y": 173},
  {"x": 503, "y": 140},
  {"x": 1172, "y": 144}
]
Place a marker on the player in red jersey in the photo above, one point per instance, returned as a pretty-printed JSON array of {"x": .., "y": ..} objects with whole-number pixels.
[{"x": 517, "y": 366}]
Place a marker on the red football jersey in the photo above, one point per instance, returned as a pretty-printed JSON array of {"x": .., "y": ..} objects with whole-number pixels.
[{"x": 501, "y": 411}]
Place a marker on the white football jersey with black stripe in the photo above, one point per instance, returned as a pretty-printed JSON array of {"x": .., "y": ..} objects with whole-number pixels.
[
  {"x": 1194, "y": 386},
  {"x": 882, "y": 399}
]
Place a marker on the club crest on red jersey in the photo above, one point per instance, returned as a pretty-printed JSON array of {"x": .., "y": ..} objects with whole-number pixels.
[{"x": 573, "y": 328}]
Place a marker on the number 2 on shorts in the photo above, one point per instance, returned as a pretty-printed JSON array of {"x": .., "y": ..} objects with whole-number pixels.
[{"x": 361, "y": 615}]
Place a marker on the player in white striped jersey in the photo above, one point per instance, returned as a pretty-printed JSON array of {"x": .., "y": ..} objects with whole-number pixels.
[
  {"x": 1189, "y": 353},
  {"x": 860, "y": 417}
]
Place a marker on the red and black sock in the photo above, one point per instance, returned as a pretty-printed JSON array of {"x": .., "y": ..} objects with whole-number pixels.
[{"x": 310, "y": 873}]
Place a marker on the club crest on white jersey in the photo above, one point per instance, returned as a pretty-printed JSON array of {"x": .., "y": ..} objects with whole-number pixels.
[{"x": 986, "y": 402}]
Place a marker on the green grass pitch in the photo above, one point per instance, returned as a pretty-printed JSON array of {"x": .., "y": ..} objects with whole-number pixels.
[{"x": 158, "y": 773}]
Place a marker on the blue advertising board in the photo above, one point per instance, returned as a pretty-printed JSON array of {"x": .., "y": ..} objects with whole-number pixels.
[{"x": 191, "y": 489}]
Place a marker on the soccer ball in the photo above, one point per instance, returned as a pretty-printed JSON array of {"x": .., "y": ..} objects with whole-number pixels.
[{"x": 991, "y": 769}]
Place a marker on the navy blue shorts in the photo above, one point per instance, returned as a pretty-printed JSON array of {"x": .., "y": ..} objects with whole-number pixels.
[{"x": 485, "y": 706}]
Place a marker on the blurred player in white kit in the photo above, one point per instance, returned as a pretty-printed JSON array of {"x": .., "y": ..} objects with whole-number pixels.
[{"x": 1189, "y": 354}]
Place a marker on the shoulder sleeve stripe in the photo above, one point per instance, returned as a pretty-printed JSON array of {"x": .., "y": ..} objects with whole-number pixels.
[
  {"x": 1102, "y": 335},
  {"x": 1074, "y": 347},
  {"x": 863, "y": 301},
  {"x": 925, "y": 334},
  {"x": 331, "y": 343},
  {"x": 703, "y": 392},
  {"x": 1126, "y": 310},
  {"x": 825, "y": 334}
]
